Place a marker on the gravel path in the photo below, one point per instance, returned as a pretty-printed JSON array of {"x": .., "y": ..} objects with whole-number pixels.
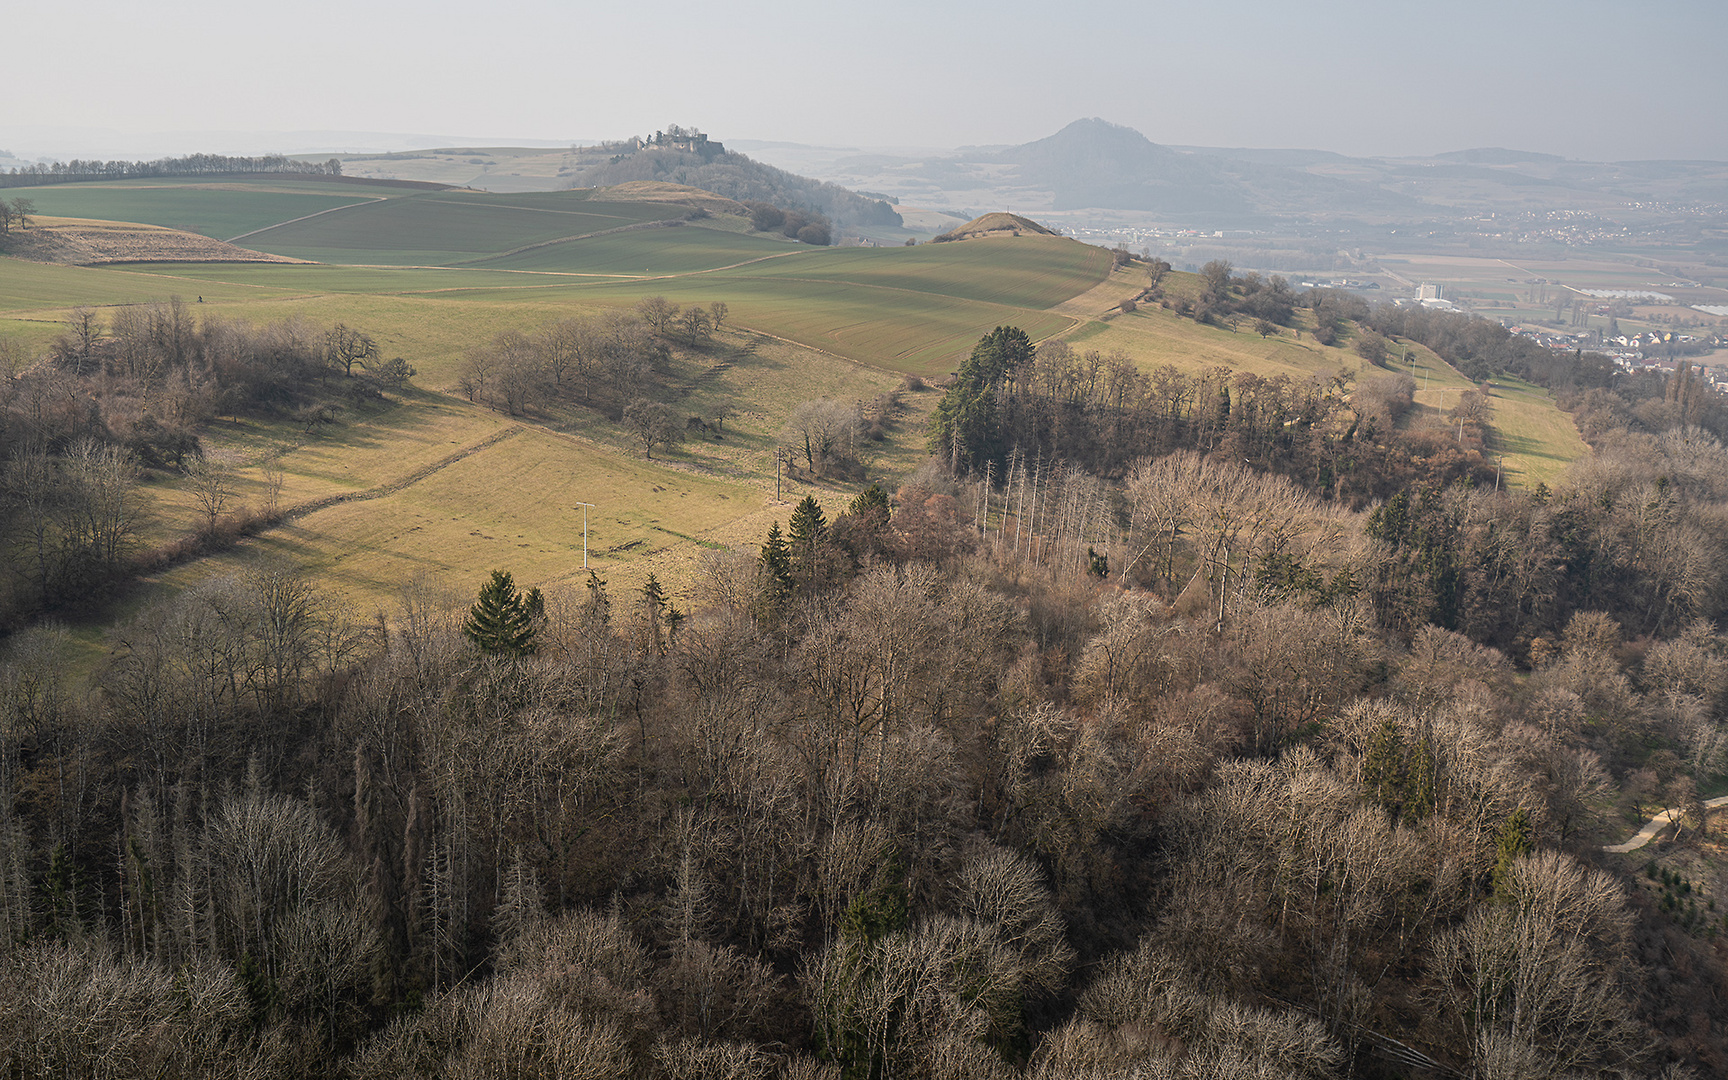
[{"x": 1657, "y": 824}]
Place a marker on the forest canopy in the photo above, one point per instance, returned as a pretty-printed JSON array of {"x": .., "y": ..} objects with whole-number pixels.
[{"x": 1162, "y": 723}]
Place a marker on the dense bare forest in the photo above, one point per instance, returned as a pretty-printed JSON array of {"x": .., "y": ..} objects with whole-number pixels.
[{"x": 1163, "y": 725}]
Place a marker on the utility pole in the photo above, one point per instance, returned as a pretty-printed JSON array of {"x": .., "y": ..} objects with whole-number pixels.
[{"x": 585, "y": 508}]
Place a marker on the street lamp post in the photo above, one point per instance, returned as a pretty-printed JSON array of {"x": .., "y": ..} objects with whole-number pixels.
[{"x": 585, "y": 508}]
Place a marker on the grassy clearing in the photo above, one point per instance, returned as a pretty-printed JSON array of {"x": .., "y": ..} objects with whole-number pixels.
[
  {"x": 1538, "y": 440},
  {"x": 510, "y": 506},
  {"x": 410, "y": 507},
  {"x": 364, "y": 450},
  {"x": 755, "y": 383}
]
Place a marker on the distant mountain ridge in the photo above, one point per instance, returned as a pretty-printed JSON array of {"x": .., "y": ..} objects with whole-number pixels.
[{"x": 1097, "y": 165}]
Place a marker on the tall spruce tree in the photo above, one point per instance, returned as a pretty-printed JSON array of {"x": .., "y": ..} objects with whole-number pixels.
[
  {"x": 805, "y": 534},
  {"x": 966, "y": 427},
  {"x": 504, "y": 622},
  {"x": 777, "y": 561}
]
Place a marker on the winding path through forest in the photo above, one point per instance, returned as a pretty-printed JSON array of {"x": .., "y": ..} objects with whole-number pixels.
[{"x": 1657, "y": 824}]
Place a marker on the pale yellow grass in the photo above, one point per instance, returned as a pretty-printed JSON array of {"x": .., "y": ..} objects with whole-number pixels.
[
  {"x": 511, "y": 506},
  {"x": 1153, "y": 337},
  {"x": 432, "y": 484},
  {"x": 358, "y": 453},
  {"x": 1124, "y": 282},
  {"x": 1534, "y": 439},
  {"x": 1538, "y": 441}
]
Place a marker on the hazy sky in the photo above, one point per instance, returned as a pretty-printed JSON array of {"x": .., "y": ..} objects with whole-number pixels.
[{"x": 1598, "y": 79}]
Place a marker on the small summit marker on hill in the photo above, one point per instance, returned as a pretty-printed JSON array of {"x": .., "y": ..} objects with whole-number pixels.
[{"x": 996, "y": 224}]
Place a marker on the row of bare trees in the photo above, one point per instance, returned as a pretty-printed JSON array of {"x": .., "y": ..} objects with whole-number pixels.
[
  {"x": 604, "y": 361},
  {"x": 1103, "y": 413},
  {"x": 1029, "y": 774},
  {"x": 977, "y": 816},
  {"x": 127, "y": 392}
]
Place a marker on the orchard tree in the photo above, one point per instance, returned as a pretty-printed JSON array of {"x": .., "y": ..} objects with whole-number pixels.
[
  {"x": 654, "y": 423},
  {"x": 657, "y": 312},
  {"x": 344, "y": 347}
]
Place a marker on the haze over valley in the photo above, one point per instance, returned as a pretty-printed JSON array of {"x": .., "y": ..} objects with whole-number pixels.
[{"x": 926, "y": 542}]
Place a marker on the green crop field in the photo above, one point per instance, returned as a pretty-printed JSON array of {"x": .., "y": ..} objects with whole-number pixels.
[
  {"x": 219, "y": 209},
  {"x": 438, "y": 228},
  {"x": 1027, "y": 271},
  {"x": 432, "y": 316},
  {"x": 645, "y": 253},
  {"x": 1153, "y": 337}
]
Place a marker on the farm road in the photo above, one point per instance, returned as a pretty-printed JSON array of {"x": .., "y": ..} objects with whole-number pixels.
[{"x": 1657, "y": 824}]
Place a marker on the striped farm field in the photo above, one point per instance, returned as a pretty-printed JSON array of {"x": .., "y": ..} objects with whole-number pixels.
[
  {"x": 644, "y": 253},
  {"x": 1026, "y": 271},
  {"x": 433, "y": 316},
  {"x": 439, "y": 228},
  {"x": 218, "y": 209},
  {"x": 1154, "y": 337}
]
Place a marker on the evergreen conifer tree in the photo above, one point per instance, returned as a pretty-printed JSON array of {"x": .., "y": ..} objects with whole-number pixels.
[
  {"x": 965, "y": 426},
  {"x": 805, "y": 534},
  {"x": 777, "y": 561},
  {"x": 1515, "y": 840},
  {"x": 872, "y": 502},
  {"x": 598, "y": 608},
  {"x": 503, "y": 622}
]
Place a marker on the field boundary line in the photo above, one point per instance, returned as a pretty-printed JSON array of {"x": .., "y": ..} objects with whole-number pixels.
[
  {"x": 728, "y": 266},
  {"x": 536, "y": 209},
  {"x": 878, "y": 367},
  {"x": 307, "y": 217},
  {"x": 657, "y": 223},
  {"x": 405, "y": 482},
  {"x": 901, "y": 289}
]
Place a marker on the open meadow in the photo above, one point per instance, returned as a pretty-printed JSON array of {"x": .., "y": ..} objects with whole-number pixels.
[{"x": 427, "y": 482}]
